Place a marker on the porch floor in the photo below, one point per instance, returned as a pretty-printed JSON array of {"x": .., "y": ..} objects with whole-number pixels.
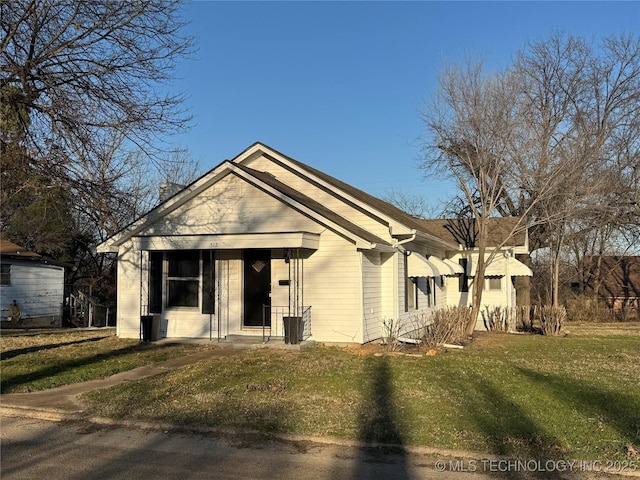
[{"x": 243, "y": 341}]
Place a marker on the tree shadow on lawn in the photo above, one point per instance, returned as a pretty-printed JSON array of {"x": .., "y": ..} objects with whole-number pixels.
[
  {"x": 380, "y": 426},
  {"x": 619, "y": 410},
  {"x": 49, "y": 346},
  {"x": 11, "y": 383},
  {"x": 507, "y": 429}
]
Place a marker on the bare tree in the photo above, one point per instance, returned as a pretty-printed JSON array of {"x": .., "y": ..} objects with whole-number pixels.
[
  {"x": 86, "y": 69},
  {"x": 581, "y": 107},
  {"x": 414, "y": 204},
  {"x": 477, "y": 137},
  {"x": 543, "y": 140},
  {"x": 86, "y": 109}
]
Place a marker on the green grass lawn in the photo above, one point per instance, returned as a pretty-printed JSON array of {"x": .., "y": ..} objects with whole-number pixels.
[
  {"x": 531, "y": 396},
  {"x": 38, "y": 362}
]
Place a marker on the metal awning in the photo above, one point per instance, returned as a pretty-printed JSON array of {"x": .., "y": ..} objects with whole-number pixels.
[
  {"x": 456, "y": 267},
  {"x": 446, "y": 266},
  {"x": 501, "y": 266},
  {"x": 419, "y": 266}
]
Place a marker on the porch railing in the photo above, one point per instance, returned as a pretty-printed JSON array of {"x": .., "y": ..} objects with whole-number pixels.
[{"x": 273, "y": 321}]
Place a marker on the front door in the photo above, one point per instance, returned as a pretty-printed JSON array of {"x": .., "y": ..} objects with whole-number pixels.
[{"x": 257, "y": 286}]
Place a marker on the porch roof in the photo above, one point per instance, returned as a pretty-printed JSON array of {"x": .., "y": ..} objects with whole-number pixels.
[{"x": 306, "y": 240}]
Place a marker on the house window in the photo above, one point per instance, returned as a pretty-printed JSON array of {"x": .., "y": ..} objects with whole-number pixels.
[
  {"x": 434, "y": 290},
  {"x": 431, "y": 291},
  {"x": 493, "y": 283},
  {"x": 177, "y": 280},
  {"x": 463, "y": 279},
  {"x": 413, "y": 293},
  {"x": 183, "y": 278},
  {"x": 5, "y": 274}
]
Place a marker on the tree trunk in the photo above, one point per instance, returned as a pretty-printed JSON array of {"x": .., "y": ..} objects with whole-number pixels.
[
  {"x": 478, "y": 280},
  {"x": 523, "y": 284}
]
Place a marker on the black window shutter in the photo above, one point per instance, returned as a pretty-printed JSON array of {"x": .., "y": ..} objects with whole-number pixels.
[
  {"x": 155, "y": 282},
  {"x": 208, "y": 281}
]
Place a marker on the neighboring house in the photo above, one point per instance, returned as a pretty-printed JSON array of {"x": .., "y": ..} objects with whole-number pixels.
[
  {"x": 31, "y": 287},
  {"x": 264, "y": 237},
  {"x": 617, "y": 281}
]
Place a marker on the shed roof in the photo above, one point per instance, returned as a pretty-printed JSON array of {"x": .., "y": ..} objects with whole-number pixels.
[{"x": 11, "y": 250}]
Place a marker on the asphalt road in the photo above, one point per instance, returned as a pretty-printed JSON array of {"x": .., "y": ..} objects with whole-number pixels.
[
  {"x": 40, "y": 449},
  {"x": 33, "y": 448}
]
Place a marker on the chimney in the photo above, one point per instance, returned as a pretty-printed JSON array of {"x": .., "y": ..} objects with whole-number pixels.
[{"x": 168, "y": 189}]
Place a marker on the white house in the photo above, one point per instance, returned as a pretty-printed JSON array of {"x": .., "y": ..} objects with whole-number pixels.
[
  {"x": 31, "y": 287},
  {"x": 263, "y": 238}
]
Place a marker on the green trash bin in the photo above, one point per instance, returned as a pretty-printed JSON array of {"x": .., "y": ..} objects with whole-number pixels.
[{"x": 292, "y": 330}]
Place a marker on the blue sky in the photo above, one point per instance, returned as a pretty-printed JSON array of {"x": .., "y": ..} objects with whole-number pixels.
[{"x": 340, "y": 85}]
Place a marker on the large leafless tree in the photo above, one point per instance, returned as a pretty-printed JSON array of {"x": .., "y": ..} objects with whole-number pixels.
[
  {"x": 552, "y": 139},
  {"x": 478, "y": 137},
  {"x": 87, "y": 105}
]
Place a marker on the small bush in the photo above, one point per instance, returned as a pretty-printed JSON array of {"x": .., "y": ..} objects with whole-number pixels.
[
  {"x": 497, "y": 318},
  {"x": 446, "y": 325},
  {"x": 551, "y": 318},
  {"x": 390, "y": 334}
]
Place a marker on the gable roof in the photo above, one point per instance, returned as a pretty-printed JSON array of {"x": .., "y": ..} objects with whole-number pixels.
[
  {"x": 464, "y": 231},
  {"x": 358, "y": 199},
  {"x": 447, "y": 234},
  {"x": 313, "y": 205},
  {"x": 262, "y": 180},
  {"x": 10, "y": 249}
]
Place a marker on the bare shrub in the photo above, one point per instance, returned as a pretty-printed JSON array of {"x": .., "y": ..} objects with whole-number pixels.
[
  {"x": 446, "y": 325},
  {"x": 390, "y": 334},
  {"x": 497, "y": 318},
  {"x": 588, "y": 309},
  {"x": 551, "y": 318}
]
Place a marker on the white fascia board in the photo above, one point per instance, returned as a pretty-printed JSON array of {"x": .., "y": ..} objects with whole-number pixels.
[{"x": 395, "y": 227}]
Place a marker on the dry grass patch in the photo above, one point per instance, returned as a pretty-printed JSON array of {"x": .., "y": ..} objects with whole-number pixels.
[
  {"x": 39, "y": 362},
  {"x": 523, "y": 395}
]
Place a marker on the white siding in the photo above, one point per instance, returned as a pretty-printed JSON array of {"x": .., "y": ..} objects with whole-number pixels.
[
  {"x": 371, "y": 295},
  {"x": 232, "y": 206},
  {"x": 128, "y": 298},
  {"x": 337, "y": 205},
  {"x": 332, "y": 283},
  {"x": 37, "y": 288}
]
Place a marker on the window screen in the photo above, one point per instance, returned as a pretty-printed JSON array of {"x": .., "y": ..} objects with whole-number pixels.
[
  {"x": 5, "y": 274},
  {"x": 183, "y": 278}
]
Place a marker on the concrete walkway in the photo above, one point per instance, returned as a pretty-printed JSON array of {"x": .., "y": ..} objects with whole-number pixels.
[{"x": 62, "y": 402}]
